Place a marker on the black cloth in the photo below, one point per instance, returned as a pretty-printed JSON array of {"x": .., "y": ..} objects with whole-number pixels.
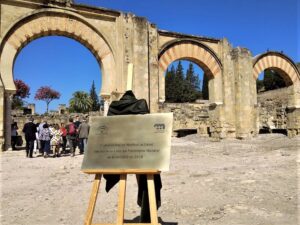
[
  {"x": 29, "y": 129},
  {"x": 129, "y": 105}
]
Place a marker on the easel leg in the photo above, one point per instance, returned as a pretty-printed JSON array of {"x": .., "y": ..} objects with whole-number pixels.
[
  {"x": 152, "y": 199},
  {"x": 93, "y": 198},
  {"x": 121, "y": 201}
]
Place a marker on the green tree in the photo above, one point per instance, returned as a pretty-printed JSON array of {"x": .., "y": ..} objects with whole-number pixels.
[
  {"x": 94, "y": 98},
  {"x": 205, "y": 93},
  {"x": 259, "y": 85},
  {"x": 179, "y": 84},
  {"x": 272, "y": 80},
  {"x": 192, "y": 85},
  {"x": 80, "y": 102},
  {"x": 170, "y": 84}
]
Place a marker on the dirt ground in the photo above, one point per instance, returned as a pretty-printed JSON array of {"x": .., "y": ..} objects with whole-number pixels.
[{"x": 231, "y": 182}]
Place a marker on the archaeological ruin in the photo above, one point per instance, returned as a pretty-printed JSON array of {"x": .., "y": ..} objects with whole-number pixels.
[{"x": 116, "y": 39}]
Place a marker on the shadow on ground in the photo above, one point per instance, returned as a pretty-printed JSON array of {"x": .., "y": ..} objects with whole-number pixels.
[{"x": 137, "y": 220}]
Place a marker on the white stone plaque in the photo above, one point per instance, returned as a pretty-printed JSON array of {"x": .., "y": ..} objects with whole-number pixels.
[{"x": 129, "y": 142}]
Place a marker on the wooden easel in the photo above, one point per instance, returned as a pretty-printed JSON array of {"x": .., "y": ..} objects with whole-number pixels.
[{"x": 122, "y": 193}]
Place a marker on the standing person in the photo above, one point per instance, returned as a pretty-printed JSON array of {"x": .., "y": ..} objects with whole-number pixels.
[
  {"x": 83, "y": 133},
  {"x": 63, "y": 131},
  {"x": 45, "y": 137},
  {"x": 40, "y": 130},
  {"x": 29, "y": 129},
  {"x": 14, "y": 135},
  {"x": 37, "y": 141},
  {"x": 71, "y": 136},
  {"x": 55, "y": 140},
  {"x": 77, "y": 124}
]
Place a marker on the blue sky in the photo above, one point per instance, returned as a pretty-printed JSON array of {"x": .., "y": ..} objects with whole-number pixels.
[{"x": 258, "y": 25}]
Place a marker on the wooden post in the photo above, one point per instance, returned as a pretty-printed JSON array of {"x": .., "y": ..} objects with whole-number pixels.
[
  {"x": 93, "y": 198},
  {"x": 122, "y": 195}
]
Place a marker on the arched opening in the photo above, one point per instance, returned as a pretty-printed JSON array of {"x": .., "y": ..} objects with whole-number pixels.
[
  {"x": 66, "y": 66},
  {"x": 61, "y": 63},
  {"x": 186, "y": 88},
  {"x": 272, "y": 98},
  {"x": 277, "y": 81},
  {"x": 192, "y": 115},
  {"x": 48, "y": 22}
]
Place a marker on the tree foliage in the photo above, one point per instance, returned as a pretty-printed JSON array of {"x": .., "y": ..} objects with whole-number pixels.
[
  {"x": 272, "y": 80},
  {"x": 94, "y": 98},
  {"x": 47, "y": 94},
  {"x": 80, "y": 102},
  {"x": 205, "y": 93},
  {"x": 23, "y": 91},
  {"x": 180, "y": 86}
]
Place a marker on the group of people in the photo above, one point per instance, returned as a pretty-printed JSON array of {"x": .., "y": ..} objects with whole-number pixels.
[{"x": 47, "y": 137}]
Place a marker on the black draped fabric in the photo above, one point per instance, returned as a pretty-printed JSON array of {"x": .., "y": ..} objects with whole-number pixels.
[{"x": 129, "y": 105}]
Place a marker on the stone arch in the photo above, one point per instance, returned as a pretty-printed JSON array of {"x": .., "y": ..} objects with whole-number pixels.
[
  {"x": 291, "y": 75},
  {"x": 279, "y": 62},
  {"x": 197, "y": 53},
  {"x": 49, "y": 22}
]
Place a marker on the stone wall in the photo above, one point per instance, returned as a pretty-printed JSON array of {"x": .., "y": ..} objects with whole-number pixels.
[
  {"x": 272, "y": 112},
  {"x": 189, "y": 116},
  {"x": 51, "y": 119},
  {"x": 272, "y": 109}
]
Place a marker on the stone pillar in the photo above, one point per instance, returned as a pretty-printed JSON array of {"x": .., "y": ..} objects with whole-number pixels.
[
  {"x": 7, "y": 119},
  {"x": 106, "y": 99},
  {"x": 32, "y": 107},
  {"x": 228, "y": 90},
  {"x": 293, "y": 121},
  {"x": 62, "y": 109},
  {"x": 216, "y": 121},
  {"x": 293, "y": 110},
  {"x": 153, "y": 69},
  {"x": 2, "y": 116},
  {"x": 243, "y": 100},
  {"x": 140, "y": 58}
]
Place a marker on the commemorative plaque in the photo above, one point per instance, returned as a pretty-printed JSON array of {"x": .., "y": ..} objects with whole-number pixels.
[{"x": 129, "y": 142}]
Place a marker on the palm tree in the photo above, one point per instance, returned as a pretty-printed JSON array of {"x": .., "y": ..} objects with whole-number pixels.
[{"x": 80, "y": 102}]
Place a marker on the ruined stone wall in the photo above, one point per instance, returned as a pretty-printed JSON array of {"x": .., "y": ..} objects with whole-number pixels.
[
  {"x": 272, "y": 109},
  {"x": 272, "y": 112},
  {"x": 51, "y": 119},
  {"x": 189, "y": 116}
]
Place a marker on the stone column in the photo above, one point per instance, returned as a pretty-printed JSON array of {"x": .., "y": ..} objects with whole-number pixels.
[
  {"x": 32, "y": 107},
  {"x": 155, "y": 103},
  {"x": 7, "y": 119},
  {"x": 293, "y": 110},
  {"x": 106, "y": 99},
  {"x": 228, "y": 90},
  {"x": 140, "y": 58},
  {"x": 243, "y": 82},
  {"x": 2, "y": 116},
  {"x": 293, "y": 121}
]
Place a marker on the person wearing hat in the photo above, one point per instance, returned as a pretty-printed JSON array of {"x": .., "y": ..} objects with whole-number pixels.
[{"x": 29, "y": 130}]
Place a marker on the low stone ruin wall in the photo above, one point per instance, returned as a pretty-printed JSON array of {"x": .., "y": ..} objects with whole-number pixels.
[
  {"x": 195, "y": 116},
  {"x": 189, "y": 116},
  {"x": 51, "y": 119},
  {"x": 271, "y": 110},
  {"x": 272, "y": 106}
]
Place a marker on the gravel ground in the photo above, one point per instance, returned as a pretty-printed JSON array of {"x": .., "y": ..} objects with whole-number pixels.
[{"x": 231, "y": 182}]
